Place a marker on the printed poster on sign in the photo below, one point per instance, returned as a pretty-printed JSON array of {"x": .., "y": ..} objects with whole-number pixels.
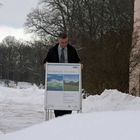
[{"x": 63, "y": 86}]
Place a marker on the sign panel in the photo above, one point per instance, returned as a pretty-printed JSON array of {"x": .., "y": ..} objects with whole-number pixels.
[{"x": 63, "y": 86}]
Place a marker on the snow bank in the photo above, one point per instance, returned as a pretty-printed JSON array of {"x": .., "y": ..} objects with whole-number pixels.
[
  {"x": 111, "y": 100},
  {"x": 112, "y": 116},
  {"x": 98, "y": 126},
  {"x": 32, "y": 95},
  {"x": 1, "y": 132}
]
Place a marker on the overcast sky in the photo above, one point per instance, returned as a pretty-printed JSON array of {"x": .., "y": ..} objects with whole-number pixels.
[{"x": 13, "y": 16}]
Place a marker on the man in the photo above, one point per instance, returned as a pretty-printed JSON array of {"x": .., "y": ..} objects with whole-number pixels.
[{"x": 62, "y": 52}]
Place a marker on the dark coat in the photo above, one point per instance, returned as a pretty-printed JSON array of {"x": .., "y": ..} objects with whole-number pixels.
[{"x": 53, "y": 57}]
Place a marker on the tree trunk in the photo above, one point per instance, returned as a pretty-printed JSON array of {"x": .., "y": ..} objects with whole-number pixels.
[{"x": 134, "y": 77}]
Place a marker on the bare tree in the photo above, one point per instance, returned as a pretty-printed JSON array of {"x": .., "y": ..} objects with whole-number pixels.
[{"x": 101, "y": 28}]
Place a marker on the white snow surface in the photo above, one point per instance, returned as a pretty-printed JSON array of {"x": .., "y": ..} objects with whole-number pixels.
[{"x": 113, "y": 115}]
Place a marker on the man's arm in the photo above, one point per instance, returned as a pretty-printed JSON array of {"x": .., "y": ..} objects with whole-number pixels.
[{"x": 46, "y": 59}]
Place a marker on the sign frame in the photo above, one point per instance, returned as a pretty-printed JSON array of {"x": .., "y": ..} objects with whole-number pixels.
[{"x": 63, "y": 87}]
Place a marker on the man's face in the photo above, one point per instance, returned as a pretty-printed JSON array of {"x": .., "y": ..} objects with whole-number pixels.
[{"x": 63, "y": 42}]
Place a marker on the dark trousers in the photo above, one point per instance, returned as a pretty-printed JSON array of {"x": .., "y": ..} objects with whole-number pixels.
[{"x": 58, "y": 113}]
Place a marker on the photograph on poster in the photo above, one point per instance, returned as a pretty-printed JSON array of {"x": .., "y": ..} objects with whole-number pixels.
[
  {"x": 71, "y": 82},
  {"x": 63, "y": 82},
  {"x": 55, "y": 82}
]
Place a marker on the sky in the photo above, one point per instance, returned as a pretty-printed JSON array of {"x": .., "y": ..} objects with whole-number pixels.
[
  {"x": 113, "y": 115},
  {"x": 13, "y": 14}
]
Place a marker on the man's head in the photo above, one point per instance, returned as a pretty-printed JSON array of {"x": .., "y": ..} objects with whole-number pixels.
[{"x": 63, "y": 40}]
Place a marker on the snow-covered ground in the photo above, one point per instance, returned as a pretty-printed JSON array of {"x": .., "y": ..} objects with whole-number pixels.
[
  {"x": 20, "y": 108},
  {"x": 110, "y": 116}
]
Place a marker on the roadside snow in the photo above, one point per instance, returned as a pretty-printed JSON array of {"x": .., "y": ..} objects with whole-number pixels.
[{"x": 111, "y": 115}]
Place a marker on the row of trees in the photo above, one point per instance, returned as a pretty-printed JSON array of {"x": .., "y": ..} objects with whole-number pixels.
[
  {"x": 20, "y": 61},
  {"x": 101, "y": 30}
]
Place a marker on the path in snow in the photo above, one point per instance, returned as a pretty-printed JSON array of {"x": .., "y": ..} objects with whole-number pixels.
[{"x": 18, "y": 116}]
